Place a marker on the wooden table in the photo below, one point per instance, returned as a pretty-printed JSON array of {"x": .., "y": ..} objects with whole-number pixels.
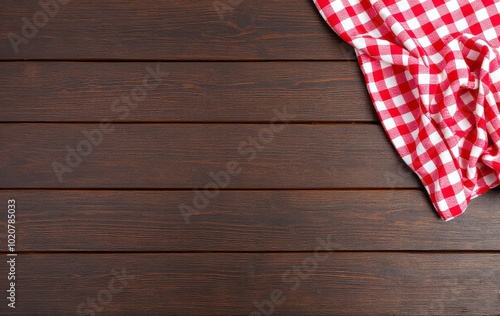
[{"x": 214, "y": 158}]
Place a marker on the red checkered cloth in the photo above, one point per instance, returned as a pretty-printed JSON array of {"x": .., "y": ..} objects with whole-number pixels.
[{"x": 432, "y": 71}]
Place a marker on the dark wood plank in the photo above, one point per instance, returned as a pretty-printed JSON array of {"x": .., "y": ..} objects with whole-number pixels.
[
  {"x": 245, "y": 221},
  {"x": 170, "y": 30},
  {"x": 229, "y": 284},
  {"x": 185, "y": 156},
  {"x": 209, "y": 92}
]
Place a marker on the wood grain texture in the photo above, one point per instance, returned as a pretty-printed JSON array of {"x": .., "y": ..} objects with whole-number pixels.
[
  {"x": 229, "y": 284},
  {"x": 172, "y": 30},
  {"x": 246, "y": 221},
  {"x": 195, "y": 92},
  {"x": 185, "y": 156},
  {"x": 330, "y": 181}
]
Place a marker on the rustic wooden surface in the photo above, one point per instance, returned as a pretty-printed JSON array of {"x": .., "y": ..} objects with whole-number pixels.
[
  {"x": 174, "y": 30},
  {"x": 247, "y": 220},
  {"x": 326, "y": 212},
  {"x": 183, "y": 156},
  {"x": 192, "y": 92},
  {"x": 231, "y": 283}
]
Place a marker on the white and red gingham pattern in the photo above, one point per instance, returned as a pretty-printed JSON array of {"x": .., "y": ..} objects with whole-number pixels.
[{"x": 432, "y": 71}]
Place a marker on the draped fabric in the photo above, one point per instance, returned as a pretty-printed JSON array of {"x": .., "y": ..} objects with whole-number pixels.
[{"x": 432, "y": 71}]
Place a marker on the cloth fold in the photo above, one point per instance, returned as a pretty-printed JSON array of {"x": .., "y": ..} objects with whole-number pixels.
[{"x": 432, "y": 71}]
